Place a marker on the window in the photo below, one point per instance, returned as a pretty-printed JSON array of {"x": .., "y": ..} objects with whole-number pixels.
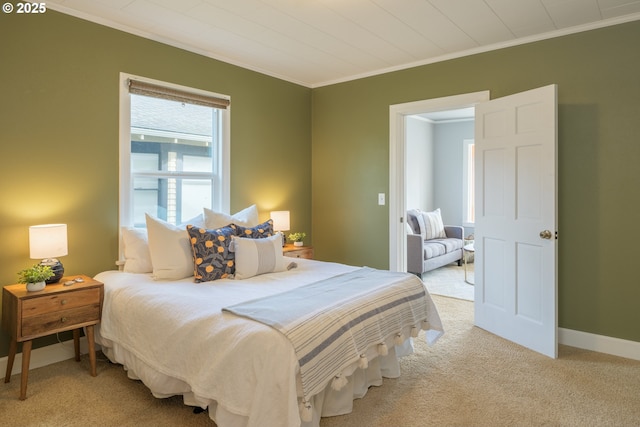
[
  {"x": 174, "y": 155},
  {"x": 468, "y": 183}
]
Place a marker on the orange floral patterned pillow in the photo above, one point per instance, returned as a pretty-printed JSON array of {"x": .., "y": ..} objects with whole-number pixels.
[
  {"x": 260, "y": 231},
  {"x": 212, "y": 258}
]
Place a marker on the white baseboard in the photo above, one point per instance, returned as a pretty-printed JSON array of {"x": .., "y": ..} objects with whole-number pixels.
[
  {"x": 54, "y": 353},
  {"x": 599, "y": 343},
  {"x": 44, "y": 356}
]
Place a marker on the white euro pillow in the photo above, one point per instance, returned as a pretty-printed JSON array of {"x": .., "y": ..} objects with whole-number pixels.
[
  {"x": 170, "y": 250},
  {"x": 248, "y": 217},
  {"x": 137, "y": 258}
]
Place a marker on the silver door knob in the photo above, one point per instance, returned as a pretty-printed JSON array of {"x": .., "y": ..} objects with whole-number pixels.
[{"x": 546, "y": 234}]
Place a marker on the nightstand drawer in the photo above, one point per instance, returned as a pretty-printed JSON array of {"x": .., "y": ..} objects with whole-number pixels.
[
  {"x": 299, "y": 253},
  {"x": 60, "y": 301},
  {"x": 60, "y": 320}
]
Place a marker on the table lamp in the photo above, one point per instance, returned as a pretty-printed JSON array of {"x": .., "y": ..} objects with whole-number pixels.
[
  {"x": 281, "y": 223},
  {"x": 46, "y": 242}
]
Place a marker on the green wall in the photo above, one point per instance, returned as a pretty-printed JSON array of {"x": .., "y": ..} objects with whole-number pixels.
[
  {"x": 598, "y": 77},
  {"x": 59, "y": 135},
  {"x": 321, "y": 153}
]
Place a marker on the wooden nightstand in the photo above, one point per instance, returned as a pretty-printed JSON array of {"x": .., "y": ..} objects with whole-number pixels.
[
  {"x": 298, "y": 251},
  {"x": 56, "y": 308}
]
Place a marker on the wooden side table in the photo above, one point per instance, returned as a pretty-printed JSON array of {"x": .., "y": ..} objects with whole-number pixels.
[
  {"x": 466, "y": 250},
  {"x": 56, "y": 308},
  {"x": 298, "y": 251}
]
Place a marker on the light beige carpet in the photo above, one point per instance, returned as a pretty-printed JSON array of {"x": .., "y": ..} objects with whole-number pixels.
[{"x": 468, "y": 378}]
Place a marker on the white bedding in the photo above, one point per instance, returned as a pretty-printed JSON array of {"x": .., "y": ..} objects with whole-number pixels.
[{"x": 174, "y": 337}]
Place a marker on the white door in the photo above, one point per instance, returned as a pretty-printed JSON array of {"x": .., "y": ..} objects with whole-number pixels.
[{"x": 515, "y": 234}]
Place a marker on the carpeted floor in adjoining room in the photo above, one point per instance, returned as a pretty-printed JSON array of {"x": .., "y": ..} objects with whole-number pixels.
[
  {"x": 468, "y": 378},
  {"x": 449, "y": 281}
]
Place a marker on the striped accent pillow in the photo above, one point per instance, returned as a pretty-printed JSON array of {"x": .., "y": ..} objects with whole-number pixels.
[
  {"x": 434, "y": 228},
  {"x": 258, "y": 256}
]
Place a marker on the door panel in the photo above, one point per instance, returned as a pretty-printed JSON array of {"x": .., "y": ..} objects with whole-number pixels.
[
  {"x": 493, "y": 167},
  {"x": 494, "y": 259},
  {"x": 528, "y": 181},
  {"x": 529, "y": 280}
]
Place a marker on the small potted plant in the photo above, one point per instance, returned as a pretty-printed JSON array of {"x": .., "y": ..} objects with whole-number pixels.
[
  {"x": 297, "y": 238},
  {"x": 34, "y": 277}
]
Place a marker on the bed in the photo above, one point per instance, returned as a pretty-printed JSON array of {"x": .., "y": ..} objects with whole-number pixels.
[{"x": 181, "y": 337}]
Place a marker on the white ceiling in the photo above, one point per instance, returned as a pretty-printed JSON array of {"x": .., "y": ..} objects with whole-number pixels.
[{"x": 319, "y": 42}]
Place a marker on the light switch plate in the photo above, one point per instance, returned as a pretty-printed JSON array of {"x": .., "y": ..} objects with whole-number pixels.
[{"x": 381, "y": 199}]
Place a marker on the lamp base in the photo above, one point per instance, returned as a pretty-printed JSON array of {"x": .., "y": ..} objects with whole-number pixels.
[{"x": 56, "y": 267}]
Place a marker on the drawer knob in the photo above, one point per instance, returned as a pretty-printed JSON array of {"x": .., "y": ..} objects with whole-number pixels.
[
  {"x": 63, "y": 302},
  {"x": 63, "y": 320}
]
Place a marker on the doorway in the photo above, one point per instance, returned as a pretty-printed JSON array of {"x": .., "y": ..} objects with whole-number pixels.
[
  {"x": 439, "y": 168},
  {"x": 398, "y": 176}
]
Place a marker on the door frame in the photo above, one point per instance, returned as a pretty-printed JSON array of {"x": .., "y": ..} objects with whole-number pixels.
[{"x": 397, "y": 164}]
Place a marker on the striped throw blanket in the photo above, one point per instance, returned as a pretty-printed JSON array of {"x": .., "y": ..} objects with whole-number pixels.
[{"x": 332, "y": 323}]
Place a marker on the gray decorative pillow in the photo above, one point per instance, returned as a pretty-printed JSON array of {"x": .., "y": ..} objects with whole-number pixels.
[{"x": 414, "y": 218}]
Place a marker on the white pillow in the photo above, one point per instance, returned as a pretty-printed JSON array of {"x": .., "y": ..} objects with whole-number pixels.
[
  {"x": 170, "y": 250},
  {"x": 137, "y": 258},
  {"x": 258, "y": 256},
  {"x": 248, "y": 217},
  {"x": 434, "y": 228},
  {"x": 196, "y": 221}
]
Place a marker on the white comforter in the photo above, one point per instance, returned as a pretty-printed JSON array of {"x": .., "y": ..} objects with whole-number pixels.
[{"x": 175, "y": 338}]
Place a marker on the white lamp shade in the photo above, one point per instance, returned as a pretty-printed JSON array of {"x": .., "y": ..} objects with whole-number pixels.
[
  {"x": 47, "y": 241},
  {"x": 280, "y": 220}
]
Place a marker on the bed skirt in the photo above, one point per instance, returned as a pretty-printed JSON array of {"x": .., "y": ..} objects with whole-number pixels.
[{"x": 324, "y": 404}]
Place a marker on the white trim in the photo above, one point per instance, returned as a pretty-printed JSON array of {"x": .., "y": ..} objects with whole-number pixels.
[
  {"x": 224, "y": 152},
  {"x": 465, "y": 182},
  {"x": 124, "y": 160},
  {"x": 397, "y": 205},
  {"x": 48, "y": 355},
  {"x": 599, "y": 343},
  {"x": 397, "y": 160}
]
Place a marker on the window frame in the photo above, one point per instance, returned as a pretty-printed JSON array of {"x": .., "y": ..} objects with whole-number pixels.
[{"x": 221, "y": 167}]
